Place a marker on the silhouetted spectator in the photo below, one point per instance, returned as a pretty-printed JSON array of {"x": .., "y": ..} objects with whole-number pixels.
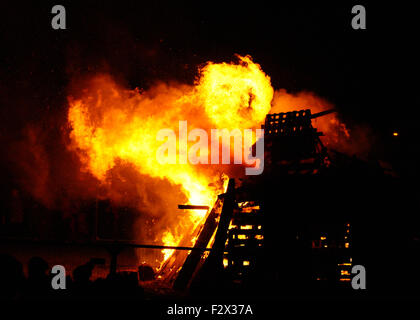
[
  {"x": 11, "y": 277},
  {"x": 124, "y": 285},
  {"x": 146, "y": 273},
  {"x": 82, "y": 286},
  {"x": 38, "y": 284}
]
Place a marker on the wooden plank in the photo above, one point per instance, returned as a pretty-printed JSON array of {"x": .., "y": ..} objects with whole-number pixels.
[
  {"x": 193, "y": 259},
  {"x": 222, "y": 229}
]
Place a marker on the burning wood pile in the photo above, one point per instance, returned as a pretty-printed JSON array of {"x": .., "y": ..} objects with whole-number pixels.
[
  {"x": 119, "y": 191},
  {"x": 293, "y": 147}
]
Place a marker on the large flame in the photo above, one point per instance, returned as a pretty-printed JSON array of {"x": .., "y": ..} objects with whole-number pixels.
[
  {"x": 235, "y": 96},
  {"x": 114, "y": 126}
]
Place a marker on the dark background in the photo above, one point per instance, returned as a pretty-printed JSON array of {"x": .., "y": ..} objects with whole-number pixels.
[{"x": 370, "y": 75}]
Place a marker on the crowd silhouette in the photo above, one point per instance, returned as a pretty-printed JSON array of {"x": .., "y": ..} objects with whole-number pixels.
[{"x": 37, "y": 285}]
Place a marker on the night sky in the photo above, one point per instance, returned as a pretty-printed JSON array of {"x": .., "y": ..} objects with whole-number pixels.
[{"x": 370, "y": 75}]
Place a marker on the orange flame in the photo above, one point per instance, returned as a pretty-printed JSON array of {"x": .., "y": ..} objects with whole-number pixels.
[
  {"x": 113, "y": 126},
  {"x": 235, "y": 96}
]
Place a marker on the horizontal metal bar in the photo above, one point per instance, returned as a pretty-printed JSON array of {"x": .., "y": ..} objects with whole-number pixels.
[
  {"x": 96, "y": 244},
  {"x": 192, "y": 207},
  {"x": 322, "y": 113}
]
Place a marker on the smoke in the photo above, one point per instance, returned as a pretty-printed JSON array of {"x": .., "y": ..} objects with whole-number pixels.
[{"x": 30, "y": 153}]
